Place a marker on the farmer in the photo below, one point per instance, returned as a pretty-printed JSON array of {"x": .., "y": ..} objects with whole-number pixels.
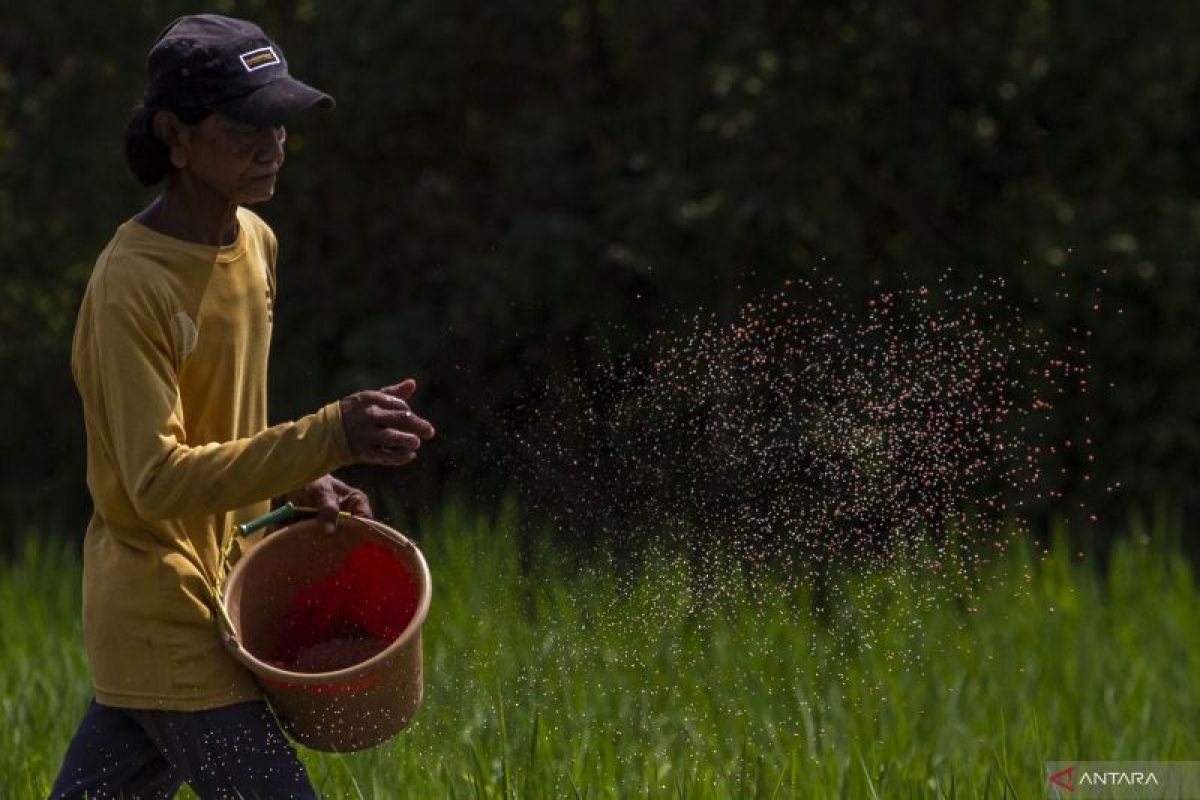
[{"x": 170, "y": 359}]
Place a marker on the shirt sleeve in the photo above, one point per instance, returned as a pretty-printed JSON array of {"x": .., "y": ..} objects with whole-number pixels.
[{"x": 164, "y": 475}]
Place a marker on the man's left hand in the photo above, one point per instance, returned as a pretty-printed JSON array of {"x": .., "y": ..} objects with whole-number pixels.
[{"x": 328, "y": 496}]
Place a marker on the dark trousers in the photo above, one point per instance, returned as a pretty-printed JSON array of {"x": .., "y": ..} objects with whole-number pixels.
[{"x": 236, "y": 751}]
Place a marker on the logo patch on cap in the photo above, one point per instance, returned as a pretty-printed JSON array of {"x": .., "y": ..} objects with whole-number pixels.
[{"x": 257, "y": 59}]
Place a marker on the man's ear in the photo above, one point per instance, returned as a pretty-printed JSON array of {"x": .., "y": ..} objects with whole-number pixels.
[{"x": 175, "y": 135}]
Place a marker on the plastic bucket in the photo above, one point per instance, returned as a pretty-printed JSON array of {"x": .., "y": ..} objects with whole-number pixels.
[{"x": 349, "y": 707}]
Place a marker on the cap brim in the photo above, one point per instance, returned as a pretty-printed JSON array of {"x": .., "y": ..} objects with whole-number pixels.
[{"x": 275, "y": 103}]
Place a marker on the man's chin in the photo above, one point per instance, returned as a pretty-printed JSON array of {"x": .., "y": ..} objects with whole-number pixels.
[{"x": 255, "y": 198}]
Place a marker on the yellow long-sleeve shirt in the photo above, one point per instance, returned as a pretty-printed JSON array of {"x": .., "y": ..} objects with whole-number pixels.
[{"x": 170, "y": 359}]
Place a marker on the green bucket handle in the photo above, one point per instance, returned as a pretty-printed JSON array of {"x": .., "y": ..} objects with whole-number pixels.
[{"x": 285, "y": 513}]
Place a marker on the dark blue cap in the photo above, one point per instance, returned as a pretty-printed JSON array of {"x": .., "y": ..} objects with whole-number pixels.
[{"x": 227, "y": 65}]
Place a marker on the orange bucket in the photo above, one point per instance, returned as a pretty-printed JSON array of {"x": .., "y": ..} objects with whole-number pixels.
[{"x": 339, "y": 690}]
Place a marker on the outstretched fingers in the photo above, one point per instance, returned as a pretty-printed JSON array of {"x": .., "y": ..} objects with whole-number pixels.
[
  {"x": 381, "y": 427},
  {"x": 397, "y": 414}
]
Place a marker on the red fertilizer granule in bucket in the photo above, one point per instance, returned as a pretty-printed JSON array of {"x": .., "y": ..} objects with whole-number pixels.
[{"x": 350, "y": 616}]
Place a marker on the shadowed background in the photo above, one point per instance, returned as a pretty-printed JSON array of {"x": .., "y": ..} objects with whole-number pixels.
[{"x": 507, "y": 187}]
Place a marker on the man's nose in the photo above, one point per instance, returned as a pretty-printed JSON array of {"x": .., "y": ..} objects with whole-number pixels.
[{"x": 272, "y": 150}]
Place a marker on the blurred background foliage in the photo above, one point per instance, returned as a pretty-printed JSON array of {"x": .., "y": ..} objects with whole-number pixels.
[{"x": 506, "y": 187}]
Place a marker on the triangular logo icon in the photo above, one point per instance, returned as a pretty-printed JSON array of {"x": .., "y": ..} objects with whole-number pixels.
[{"x": 1062, "y": 779}]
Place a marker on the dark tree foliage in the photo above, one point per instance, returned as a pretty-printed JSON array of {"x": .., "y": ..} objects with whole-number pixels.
[{"x": 506, "y": 185}]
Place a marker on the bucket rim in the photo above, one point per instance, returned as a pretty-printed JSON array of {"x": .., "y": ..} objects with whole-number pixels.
[{"x": 264, "y": 669}]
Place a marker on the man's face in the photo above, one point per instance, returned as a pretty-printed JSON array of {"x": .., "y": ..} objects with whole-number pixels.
[{"x": 236, "y": 160}]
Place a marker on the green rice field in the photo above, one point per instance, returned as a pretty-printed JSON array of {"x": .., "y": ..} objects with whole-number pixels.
[{"x": 546, "y": 678}]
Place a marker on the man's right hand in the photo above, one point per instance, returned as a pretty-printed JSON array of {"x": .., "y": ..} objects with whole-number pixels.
[{"x": 381, "y": 427}]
